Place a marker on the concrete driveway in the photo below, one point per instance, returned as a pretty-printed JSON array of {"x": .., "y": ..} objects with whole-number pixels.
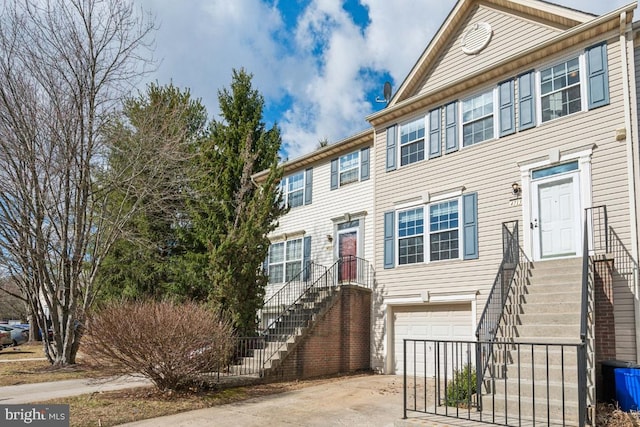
[{"x": 369, "y": 400}]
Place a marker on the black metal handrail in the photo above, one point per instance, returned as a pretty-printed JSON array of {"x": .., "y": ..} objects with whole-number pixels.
[
  {"x": 297, "y": 302},
  {"x": 596, "y": 221},
  {"x": 494, "y": 308}
]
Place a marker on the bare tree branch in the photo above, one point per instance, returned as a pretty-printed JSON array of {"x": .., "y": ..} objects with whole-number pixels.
[{"x": 65, "y": 66}]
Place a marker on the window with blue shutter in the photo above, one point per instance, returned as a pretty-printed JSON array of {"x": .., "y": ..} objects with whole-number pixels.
[
  {"x": 308, "y": 186},
  {"x": 364, "y": 164},
  {"x": 389, "y": 239},
  {"x": 435, "y": 119},
  {"x": 451, "y": 127},
  {"x": 334, "y": 174},
  {"x": 597, "y": 76},
  {"x": 306, "y": 257},
  {"x": 470, "y": 225},
  {"x": 526, "y": 101},
  {"x": 391, "y": 148},
  {"x": 507, "y": 111}
]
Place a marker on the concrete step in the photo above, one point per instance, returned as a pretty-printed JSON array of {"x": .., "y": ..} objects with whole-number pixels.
[
  {"x": 539, "y": 355},
  {"x": 568, "y": 307},
  {"x": 537, "y": 411},
  {"x": 546, "y": 318},
  {"x": 542, "y": 332},
  {"x": 556, "y": 298},
  {"x": 541, "y": 389}
]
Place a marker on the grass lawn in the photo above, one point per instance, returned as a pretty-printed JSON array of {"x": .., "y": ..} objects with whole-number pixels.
[
  {"x": 24, "y": 351},
  {"x": 122, "y": 406},
  {"x": 33, "y": 371}
]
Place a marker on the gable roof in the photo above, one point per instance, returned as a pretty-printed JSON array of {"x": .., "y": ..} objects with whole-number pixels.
[
  {"x": 328, "y": 152},
  {"x": 569, "y": 23}
]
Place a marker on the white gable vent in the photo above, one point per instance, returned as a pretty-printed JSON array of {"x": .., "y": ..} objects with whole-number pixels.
[{"x": 476, "y": 38}]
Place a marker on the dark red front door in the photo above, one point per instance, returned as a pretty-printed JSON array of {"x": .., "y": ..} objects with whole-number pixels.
[{"x": 347, "y": 252}]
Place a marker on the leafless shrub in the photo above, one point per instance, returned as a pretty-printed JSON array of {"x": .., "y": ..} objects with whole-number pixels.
[
  {"x": 174, "y": 345},
  {"x": 609, "y": 415}
]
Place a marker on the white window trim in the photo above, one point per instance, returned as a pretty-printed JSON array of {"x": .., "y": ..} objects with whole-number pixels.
[
  {"x": 397, "y": 234},
  {"x": 582, "y": 155},
  {"x": 286, "y": 188},
  {"x": 426, "y": 234},
  {"x": 358, "y": 167},
  {"x": 460, "y": 125},
  {"x": 284, "y": 262},
  {"x": 425, "y": 118},
  {"x": 582, "y": 63}
]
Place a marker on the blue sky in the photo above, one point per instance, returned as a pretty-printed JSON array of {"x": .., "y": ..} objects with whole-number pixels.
[{"x": 320, "y": 64}]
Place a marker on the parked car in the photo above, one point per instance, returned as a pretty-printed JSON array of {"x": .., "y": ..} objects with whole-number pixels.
[
  {"x": 5, "y": 339},
  {"x": 18, "y": 336},
  {"x": 26, "y": 327}
]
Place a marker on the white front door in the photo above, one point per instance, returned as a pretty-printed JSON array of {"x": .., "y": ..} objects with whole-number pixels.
[{"x": 556, "y": 217}]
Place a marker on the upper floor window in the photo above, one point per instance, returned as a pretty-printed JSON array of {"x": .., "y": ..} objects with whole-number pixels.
[
  {"x": 349, "y": 168},
  {"x": 578, "y": 83},
  {"x": 560, "y": 90},
  {"x": 285, "y": 260},
  {"x": 296, "y": 188},
  {"x": 477, "y": 119},
  {"x": 411, "y": 236},
  {"x": 412, "y": 141}
]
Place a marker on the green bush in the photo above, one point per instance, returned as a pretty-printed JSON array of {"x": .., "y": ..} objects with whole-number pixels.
[{"x": 462, "y": 387}]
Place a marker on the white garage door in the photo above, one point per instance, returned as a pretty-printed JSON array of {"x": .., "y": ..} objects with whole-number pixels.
[{"x": 441, "y": 322}]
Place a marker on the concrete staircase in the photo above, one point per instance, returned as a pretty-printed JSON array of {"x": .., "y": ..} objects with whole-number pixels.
[{"x": 531, "y": 376}]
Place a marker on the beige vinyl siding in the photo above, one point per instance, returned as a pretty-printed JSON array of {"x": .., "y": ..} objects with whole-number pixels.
[
  {"x": 511, "y": 34},
  {"x": 489, "y": 168}
]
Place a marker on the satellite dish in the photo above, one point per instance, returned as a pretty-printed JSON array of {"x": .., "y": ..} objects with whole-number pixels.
[{"x": 386, "y": 91}]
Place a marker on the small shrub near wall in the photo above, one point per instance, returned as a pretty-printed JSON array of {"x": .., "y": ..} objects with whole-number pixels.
[
  {"x": 462, "y": 387},
  {"x": 173, "y": 345}
]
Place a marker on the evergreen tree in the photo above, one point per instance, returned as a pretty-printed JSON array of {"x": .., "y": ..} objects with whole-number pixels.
[
  {"x": 231, "y": 214},
  {"x": 146, "y": 260}
]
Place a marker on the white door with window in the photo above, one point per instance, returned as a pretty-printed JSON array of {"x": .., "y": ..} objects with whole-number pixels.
[{"x": 556, "y": 217}]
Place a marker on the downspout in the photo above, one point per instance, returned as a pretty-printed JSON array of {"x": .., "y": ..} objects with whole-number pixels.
[{"x": 631, "y": 165}]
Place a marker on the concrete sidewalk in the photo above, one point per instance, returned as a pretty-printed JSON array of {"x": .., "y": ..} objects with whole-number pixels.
[{"x": 29, "y": 393}]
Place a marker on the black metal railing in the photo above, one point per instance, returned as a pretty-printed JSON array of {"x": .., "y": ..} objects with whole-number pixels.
[
  {"x": 293, "y": 307},
  {"x": 494, "y": 308},
  {"x": 528, "y": 383},
  {"x": 596, "y": 240}
]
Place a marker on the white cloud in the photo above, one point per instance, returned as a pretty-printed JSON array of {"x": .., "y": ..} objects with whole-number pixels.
[{"x": 324, "y": 67}]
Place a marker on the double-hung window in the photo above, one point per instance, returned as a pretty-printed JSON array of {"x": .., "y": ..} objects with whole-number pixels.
[
  {"x": 442, "y": 233},
  {"x": 411, "y": 236},
  {"x": 350, "y": 168},
  {"x": 285, "y": 261},
  {"x": 560, "y": 90},
  {"x": 292, "y": 188},
  {"x": 477, "y": 118},
  {"x": 412, "y": 141},
  {"x": 443, "y": 229}
]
